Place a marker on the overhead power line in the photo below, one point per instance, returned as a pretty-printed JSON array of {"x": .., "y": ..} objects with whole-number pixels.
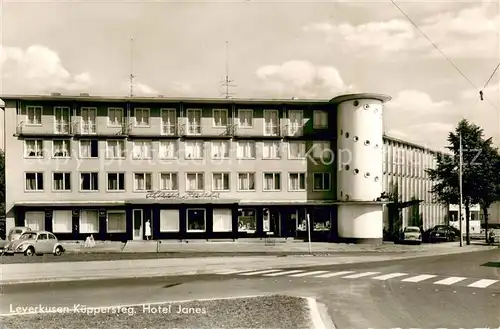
[{"x": 441, "y": 52}]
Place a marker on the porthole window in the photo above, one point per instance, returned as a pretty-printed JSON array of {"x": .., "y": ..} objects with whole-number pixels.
[
  {"x": 356, "y": 171},
  {"x": 341, "y": 132},
  {"x": 356, "y": 103},
  {"x": 376, "y": 179},
  {"x": 346, "y": 135},
  {"x": 367, "y": 175},
  {"x": 347, "y": 167},
  {"x": 356, "y": 138},
  {"x": 376, "y": 146},
  {"x": 366, "y": 106},
  {"x": 376, "y": 110},
  {"x": 367, "y": 142}
]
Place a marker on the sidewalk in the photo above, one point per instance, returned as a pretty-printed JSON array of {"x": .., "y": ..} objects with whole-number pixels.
[{"x": 197, "y": 246}]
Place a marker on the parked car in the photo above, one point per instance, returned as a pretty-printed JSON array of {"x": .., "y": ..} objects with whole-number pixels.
[
  {"x": 442, "y": 233},
  {"x": 35, "y": 243},
  {"x": 16, "y": 232},
  {"x": 411, "y": 234}
]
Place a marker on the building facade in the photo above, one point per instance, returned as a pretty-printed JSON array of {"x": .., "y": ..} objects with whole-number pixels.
[{"x": 206, "y": 168}]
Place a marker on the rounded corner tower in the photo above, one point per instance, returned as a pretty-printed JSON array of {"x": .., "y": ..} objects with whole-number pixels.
[{"x": 360, "y": 132}]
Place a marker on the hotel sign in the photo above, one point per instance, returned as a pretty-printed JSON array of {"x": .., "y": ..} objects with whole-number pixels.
[{"x": 158, "y": 195}]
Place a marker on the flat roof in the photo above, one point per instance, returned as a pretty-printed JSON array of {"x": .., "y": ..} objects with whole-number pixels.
[
  {"x": 414, "y": 145},
  {"x": 161, "y": 99}
]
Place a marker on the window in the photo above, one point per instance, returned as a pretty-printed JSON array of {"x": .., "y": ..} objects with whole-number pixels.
[
  {"x": 297, "y": 181},
  {"x": 89, "y": 221},
  {"x": 35, "y": 220},
  {"x": 271, "y": 122},
  {"x": 194, "y": 149},
  {"x": 245, "y": 118},
  {"x": 321, "y": 150},
  {"x": 88, "y": 120},
  {"x": 115, "y": 149},
  {"x": 143, "y": 150},
  {"x": 141, "y": 117},
  {"x": 321, "y": 181},
  {"x": 115, "y": 116},
  {"x": 33, "y": 148},
  {"x": 61, "y": 148},
  {"x": 194, "y": 121},
  {"x": 116, "y": 222},
  {"x": 89, "y": 181},
  {"x": 169, "y": 181},
  {"x": 196, "y": 220},
  {"x": 271, "y": 150},
  {"x": 168, "y": 121},
  {"x": 195, "y": 182},
  {"x": 169, "y": 149},
  {"x": 116, "y": 181},
  {"x": 297, "y": 149},
  {"x": 246, "y": 181},
  {"x": 34, "y": 181},
  {"x": 89, "y": 148},
  {"x": 220, "y": 117},
  {"x": 272, "y": 181},
  {"x": 320, "y": 119},
  {"x": 222, "y": 220},
  {"x": 220, "y": 149},
  {"x": 61, "y": 181},
  {"x": 296, "y": 122},
  {"x": 169, "y": 220},
  {"x": 62, "y": 119},
  {"x": 62, "y": 221},
  {"x": 142, "y": 182},
  {"x": 246, "y": 150},
  {"x": 247, "y": 220},
  {"x": 220, "y": 182},
  {"x": 34, "y": 115}
]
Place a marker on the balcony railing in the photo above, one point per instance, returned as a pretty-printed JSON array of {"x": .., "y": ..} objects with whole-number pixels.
[
  {"x": 191, "y": 129},
  {"x": 125, "y": 128},
  {"x": 168, "y": 129},
  {"x": 88, "y": 128},
  {"x": 271, "y": 129},
  {"x": 62, "y": 128}
]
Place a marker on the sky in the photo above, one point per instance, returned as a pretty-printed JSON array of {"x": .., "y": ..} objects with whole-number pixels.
[{"x": 276, "y": 49}]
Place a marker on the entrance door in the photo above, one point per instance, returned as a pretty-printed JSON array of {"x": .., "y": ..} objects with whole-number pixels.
[
  {"x": 275, "y": 216},
  {"x": 291, "y": 225},
  {"x": 138, "y": 224}
]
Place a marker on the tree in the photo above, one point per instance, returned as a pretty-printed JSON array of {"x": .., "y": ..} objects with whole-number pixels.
[{"x": 478, "y": 177}]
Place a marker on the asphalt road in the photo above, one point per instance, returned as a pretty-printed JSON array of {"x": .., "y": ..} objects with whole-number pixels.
[
  {"x": 352, "y": 303},
  {"x": 85, "y": 257}
]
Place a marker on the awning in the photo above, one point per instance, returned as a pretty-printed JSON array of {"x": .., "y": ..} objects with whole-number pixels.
[
  {"x": 95, "y": 203},
  {"x": 182, "y": 201}
]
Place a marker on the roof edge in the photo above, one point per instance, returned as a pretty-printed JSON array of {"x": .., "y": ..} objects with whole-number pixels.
[{"x": 349, "y": 97}]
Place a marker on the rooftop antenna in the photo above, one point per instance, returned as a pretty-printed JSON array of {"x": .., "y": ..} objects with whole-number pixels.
[
  {"x": 131, "y": 76},
  {"x": 227, "y": 82}
]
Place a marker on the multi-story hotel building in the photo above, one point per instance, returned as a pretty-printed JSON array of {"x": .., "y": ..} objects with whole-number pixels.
[{"x": 206, "y": 168}]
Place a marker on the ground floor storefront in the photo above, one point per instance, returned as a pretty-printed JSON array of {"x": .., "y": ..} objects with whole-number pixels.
[{"x": 181, "y": 221}]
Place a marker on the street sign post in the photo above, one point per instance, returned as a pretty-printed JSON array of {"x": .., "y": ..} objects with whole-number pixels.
[{"x": 309, "y": 233}]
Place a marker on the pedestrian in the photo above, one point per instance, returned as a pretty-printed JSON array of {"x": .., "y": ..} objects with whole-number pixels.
[{"x": 148, "y": 230}]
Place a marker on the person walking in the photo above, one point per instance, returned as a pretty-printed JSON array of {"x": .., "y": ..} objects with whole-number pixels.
[{"x": 148, "y": 230}]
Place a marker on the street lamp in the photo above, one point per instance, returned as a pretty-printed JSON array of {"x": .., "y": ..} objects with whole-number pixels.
[{"x": 460, "y": 169}]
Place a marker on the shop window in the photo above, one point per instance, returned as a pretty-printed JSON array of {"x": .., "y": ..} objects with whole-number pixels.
[
  {"x": 89, "y": 221},
  {"x": 35, "y": 220},
  {"x": 62, "y": 221},
  {"x": 247, "y": 220},
  {"x": 301, "y": 221},
  {"x": 116, "y": 222},
  {"x": 169, "y": 220},
  {"x": 222, "y": 220},
  {"x": 321, "y": 219},
  {"x": 196, "y": 220}
]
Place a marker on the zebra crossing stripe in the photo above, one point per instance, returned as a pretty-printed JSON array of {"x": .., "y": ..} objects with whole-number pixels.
[
  {"x": 389, "y": 276},
  {"x": 360, "y": 275},
  {"x": 419, "y": 278},
  {"x": 329, "y": 275},
  {"x": 232, "y": 272},
  {"x": 307, "y": 274},
  {"x": 259, "y": 272},
  {"x": 284, "y": 273},
  {"x": 483, "y": 283},
  {"x": 449, "y": 281}
]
